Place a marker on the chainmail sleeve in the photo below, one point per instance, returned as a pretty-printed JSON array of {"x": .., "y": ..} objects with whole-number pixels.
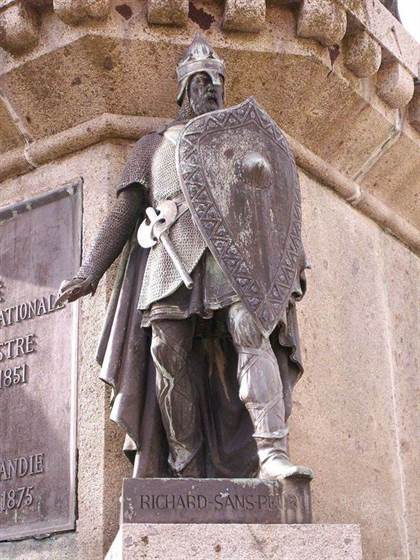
[
  {"x": 121, "y": 221},
  {"x": 113, "y": 234},
  {"x": 137, "y": 168},
  {"x": 132, "y": 193}
]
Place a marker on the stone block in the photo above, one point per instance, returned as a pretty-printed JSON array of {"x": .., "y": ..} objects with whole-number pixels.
[
  {"x": 19, "y": 29},
  {"x": 401, "y": 291},
  {"x": 70, "y": 11},
  {"x": 75, "y": 11},
  {"x": 414, "y": 114},
  {"x": 194, "y": 500},
  {"x": 395, "y": 84},
  {"x": 164, "y": 12},
  {"x": 237, "y": 542},
  {"x": 395, "y": 184},
  {"x": 97, "y": 9},
  {"x": 10, "y": 136},
  {"x": 42, "y": 4},
  {"x": 342, "y": 422},
  {"x": 244, "y": 15},
  {"x": 362, "y": 53},
  {"x": 388, "y": 31},
  {"x": 323, "y": 20}
]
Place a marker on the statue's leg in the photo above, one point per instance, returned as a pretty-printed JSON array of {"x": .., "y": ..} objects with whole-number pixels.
[
  {"x": 261, "y": 390},
  {"x": 178, "y": 399}
]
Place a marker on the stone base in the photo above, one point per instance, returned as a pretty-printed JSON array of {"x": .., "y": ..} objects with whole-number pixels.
[
  {"x": 225, "y": 519},
  {"x": 236, "y": 542}
]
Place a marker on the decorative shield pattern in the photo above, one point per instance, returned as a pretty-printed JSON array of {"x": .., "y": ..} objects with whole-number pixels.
[{"x": 239, "y": 178}]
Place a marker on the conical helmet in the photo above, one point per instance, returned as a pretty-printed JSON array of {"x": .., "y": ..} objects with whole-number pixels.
[{"x": 200, "y": 57}]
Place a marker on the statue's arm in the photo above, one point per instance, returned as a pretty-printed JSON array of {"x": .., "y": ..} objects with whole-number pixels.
[
  {"x": 115, "y": 231},
  {"x": 113, "y": 234}
]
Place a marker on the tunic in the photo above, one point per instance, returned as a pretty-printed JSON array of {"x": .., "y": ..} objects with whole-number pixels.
[{"x": 152, "y": 166}]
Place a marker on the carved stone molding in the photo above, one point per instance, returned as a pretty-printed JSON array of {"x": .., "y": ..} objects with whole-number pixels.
[
  {"x": 362, "y": 53},
  {"x": 323, "y": 20},
  {"x": 75, "y": 11},
  {"x": 164, "y": 12},
  {"x": 244, "y": 15},
  {"x": 394, "y": 84},
  {"x": 365, "y": 32},
  {"x": 378, "y": 21},
  {"x": 109, "y": 126},
  {"x": 59, "y": 85},
  {"x": 19, "y": 28}
]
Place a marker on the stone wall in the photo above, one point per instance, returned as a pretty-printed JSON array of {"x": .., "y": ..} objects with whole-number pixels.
[
  {"x": 101, "y": 465},
  {"x": 78, "y": 85},
  {"x": 355, "y": 415},
  {"x": 355, "y": 409}
]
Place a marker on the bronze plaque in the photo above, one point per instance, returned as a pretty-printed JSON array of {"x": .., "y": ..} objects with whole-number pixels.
[{"x": 40, "y": 244}]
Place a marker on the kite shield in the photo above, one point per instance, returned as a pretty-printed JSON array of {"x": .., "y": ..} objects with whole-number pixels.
[{"x": 239, "y": 178}]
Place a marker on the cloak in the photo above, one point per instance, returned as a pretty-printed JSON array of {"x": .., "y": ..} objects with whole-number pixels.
[{"x": 126, "y": 364}]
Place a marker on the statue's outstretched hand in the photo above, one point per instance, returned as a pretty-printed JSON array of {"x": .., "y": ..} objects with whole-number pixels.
[{"x": 73, "y": 289}]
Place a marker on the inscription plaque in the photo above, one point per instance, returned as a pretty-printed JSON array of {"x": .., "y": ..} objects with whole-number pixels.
[
  {"x": 213, "y": 500},
  {"x": 40, "y": 243}
]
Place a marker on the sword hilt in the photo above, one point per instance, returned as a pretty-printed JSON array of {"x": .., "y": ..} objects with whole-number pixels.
[{"x": 156, "y": 230}]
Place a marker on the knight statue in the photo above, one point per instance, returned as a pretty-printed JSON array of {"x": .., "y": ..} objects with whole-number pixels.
[{"x": 201, "y": 344}]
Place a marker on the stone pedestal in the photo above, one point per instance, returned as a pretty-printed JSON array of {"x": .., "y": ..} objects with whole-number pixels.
[
  {"x": 241, "y": 519},
  {"x": 236, "y": 542}
]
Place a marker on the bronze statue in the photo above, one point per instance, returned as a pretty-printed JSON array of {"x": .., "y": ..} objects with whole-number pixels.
[{"x": 201, "y": 343}]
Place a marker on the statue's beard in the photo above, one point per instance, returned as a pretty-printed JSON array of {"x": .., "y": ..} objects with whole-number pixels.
[{"x": 205, "y": 104}]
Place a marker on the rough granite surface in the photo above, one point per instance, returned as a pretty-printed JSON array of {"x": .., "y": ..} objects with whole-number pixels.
[{"x": 237, "y": 542}]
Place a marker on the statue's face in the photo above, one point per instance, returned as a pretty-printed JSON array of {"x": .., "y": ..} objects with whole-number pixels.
[{"x": 204, "y": 95}]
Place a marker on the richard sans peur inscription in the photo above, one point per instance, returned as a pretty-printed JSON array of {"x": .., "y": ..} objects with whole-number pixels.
[
  {"x": 192, "y": 500},
  {"x": 40, "y": 241}
]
